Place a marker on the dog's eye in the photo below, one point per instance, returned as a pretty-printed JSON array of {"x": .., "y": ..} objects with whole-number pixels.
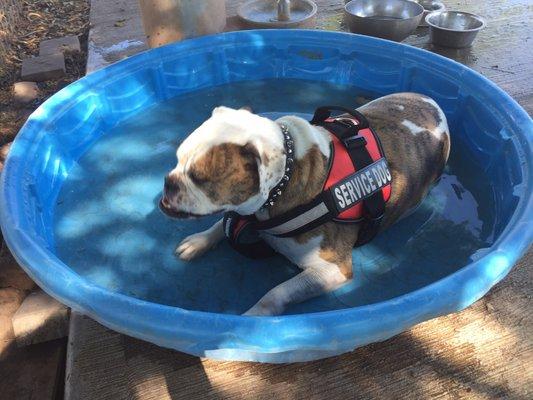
[{"x": 197, "y": 179}]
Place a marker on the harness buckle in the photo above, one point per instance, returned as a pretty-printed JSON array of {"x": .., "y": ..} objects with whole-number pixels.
[{"x": 354, "y": 142}]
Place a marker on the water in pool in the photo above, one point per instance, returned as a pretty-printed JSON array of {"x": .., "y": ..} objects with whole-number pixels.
[{"x": 109, "y": 230}]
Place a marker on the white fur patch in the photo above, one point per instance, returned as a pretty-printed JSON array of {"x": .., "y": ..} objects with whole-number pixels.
[
  {"x": 413, "y": 128},
  {"x": 305, "y": 136},
  {"x": 442, "y": 128},
  {"x": 400, "y": 107},
  {"x": 318, "y": 276},
  {"x": 304, "y": 255}
]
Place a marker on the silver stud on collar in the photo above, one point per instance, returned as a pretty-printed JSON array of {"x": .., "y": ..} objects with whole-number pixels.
[{"x": 289, "y": 164}]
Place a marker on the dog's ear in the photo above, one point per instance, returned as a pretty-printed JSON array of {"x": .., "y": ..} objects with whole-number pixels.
[
  {"x": 223, "y": 109},
  {"x": 219, "y": 110},
  {"x": 250, "y": 149}
]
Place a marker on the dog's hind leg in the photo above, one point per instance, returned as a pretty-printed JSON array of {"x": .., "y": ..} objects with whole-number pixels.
[
  {"x": 326, "y": 261},
  {"x": 309, "y": 283},
  {"x": 195, "y": 245}
]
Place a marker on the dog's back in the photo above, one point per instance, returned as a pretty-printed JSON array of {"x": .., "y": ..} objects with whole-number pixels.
[{"x": 415, "y": 137}]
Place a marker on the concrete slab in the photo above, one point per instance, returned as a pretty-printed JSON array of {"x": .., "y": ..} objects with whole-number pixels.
[
  {"x": 483, "y": 352},
  {"x": 167, "y": 21},
  {"x": 43, "y": 68},
  {"x": 95, "y": 362},
  {"x": 59, "y": 45},
  {"x": 116, "y": 32},
  {"x": 40, "y": 318}
]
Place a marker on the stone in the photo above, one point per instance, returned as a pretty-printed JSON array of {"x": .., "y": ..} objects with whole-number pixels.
[
  {"x": 6, "y": 332},
  {"x": 25, "y": 92},
  {"x": 59, "y": 45},
  {"x": 40, "y": 318},
  {"x": 43, "y": 68},
  {"x": 10, "y": 300}
]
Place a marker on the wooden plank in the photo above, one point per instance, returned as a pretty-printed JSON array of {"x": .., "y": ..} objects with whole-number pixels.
[
  {"x": 33, "y": 372},
  {"x": 95, "y": 361}
]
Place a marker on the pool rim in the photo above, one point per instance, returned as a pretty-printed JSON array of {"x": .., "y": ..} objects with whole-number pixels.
[{"x": 509, "y": 246}]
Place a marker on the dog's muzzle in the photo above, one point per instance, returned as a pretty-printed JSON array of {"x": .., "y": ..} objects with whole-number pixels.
[{"x": 167, "y": 209}]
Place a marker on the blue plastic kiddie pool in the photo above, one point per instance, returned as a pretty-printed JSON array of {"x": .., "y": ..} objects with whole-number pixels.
[{"x": 80, "y": 188}]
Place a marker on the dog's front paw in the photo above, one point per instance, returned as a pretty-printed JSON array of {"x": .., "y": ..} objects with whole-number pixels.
[{"x": 194, "y": 246}]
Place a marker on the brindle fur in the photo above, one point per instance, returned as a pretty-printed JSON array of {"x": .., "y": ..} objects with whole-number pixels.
[
  {"x": 415, "y": 163},
  {"x": 227, "y": 173}
]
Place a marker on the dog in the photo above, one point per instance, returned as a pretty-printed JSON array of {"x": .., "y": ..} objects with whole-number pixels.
[{"x": 234, "y": 159}]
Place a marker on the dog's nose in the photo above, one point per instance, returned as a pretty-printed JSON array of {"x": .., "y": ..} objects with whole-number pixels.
[{"x": 171, "y": 186}]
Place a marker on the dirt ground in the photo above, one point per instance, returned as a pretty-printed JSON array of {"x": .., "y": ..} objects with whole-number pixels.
[
  {"x": 35, "y": 371},
  {"x": 38, "y": 20}
]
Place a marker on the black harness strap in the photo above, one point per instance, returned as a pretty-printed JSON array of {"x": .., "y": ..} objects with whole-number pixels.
[
  {"x": 245, "y": 238},
  {"x": 246, "y": 241}
]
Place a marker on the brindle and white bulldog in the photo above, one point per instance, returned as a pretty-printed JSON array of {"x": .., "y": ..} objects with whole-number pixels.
[{"x": 233, "y": 160}]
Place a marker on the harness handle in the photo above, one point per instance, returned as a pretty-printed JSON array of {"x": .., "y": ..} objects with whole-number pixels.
[{"x": 324, "y": 112}]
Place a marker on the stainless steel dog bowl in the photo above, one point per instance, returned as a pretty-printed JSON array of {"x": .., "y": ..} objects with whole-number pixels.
[
  {"x": 453, "y": 28},
  {"x": 278, "y": 14},
  {"x": 387, "y": 19},
  {"x": 429, "y": 7}
]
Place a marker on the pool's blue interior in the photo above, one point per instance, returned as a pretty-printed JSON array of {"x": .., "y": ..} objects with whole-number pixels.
[
  {"x": 108, "y": 229},
  {"x": 490, "y": 132}
]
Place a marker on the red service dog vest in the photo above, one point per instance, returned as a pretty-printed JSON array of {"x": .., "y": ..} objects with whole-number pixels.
[{"x": 355, "y": 191}]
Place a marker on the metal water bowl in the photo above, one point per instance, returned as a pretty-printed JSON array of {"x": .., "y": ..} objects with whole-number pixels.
[
  {"x": 453, "y": 28},
  {"x": 387, "y": 19},
  {"x": 429, "y": 7},
  {"x": 278, "y": 14}
]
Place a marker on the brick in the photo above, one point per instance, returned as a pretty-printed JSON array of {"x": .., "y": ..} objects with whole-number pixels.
[
  {"x": 10, "y": 300},
  {"x": 59, "y": 45},
  {"x": 43, "y": 68},
  {"x": 25, "y": 92},
  {"x": 40, "y": 318}
]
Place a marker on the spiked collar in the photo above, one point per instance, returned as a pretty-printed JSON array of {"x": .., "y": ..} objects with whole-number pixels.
[{"x": 288, "y": 144}]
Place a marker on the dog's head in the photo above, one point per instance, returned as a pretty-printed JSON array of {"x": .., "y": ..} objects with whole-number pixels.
[{"x": 231, "y": 162}]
